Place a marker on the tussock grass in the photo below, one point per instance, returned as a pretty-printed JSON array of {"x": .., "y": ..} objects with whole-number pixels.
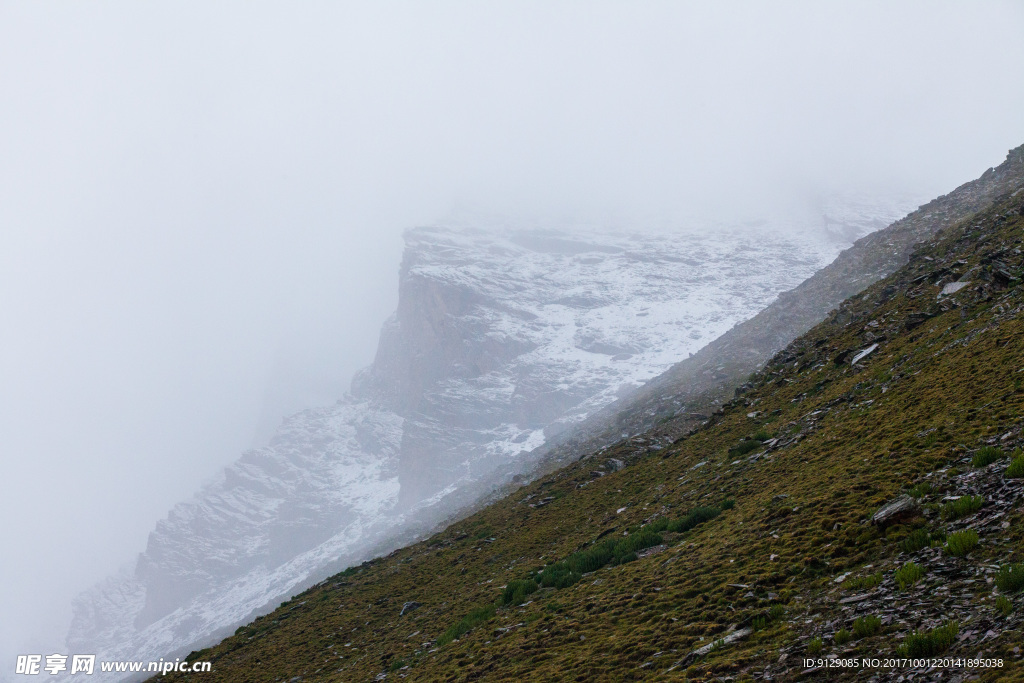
[
  {"x": 1016, "y": 468},
  {"x": 986, "y": 456},
  {"x": 641, "y": 540},
  {"x": 558, "y": 575},
  {"x": 858, "y": 583},
  {"x": 907, "y": 575},
  {"x": 697, "y": 517},
  {"x": 917, "y": 539},
  {"x": 1010, "y": 578},
  {"x": 570, "y": 570},
  {"x": 866, "y": 626},
  {"x": 515, "y": 591},
  {"x": 476, "y": 617},
  {"x": 962, "y": 507},
  {"x": 928, "y": 643},
  {"x": 762, "y": 621},
  {"x": 920, "y": 490},
  {"x": 961, "y": 543},
  {"x": 749, "y": 444}
]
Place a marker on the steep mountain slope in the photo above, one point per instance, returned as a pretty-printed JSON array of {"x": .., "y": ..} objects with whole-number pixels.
[
  {"x": 701, "y": 383},
  {"x": 828, "y": 510},
  {"x": 501, "y": 340}
]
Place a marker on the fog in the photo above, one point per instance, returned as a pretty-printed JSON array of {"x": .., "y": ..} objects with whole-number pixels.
[{"x": 201, "y": 205}]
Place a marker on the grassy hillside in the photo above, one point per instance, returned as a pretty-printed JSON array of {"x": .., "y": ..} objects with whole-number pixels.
[{"x": 748, "y": 544}]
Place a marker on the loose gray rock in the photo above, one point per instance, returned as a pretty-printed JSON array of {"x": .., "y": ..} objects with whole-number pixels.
[
  {"x": 724, "y": 640},
  {"x": 409, "y": 607},
  {"x": 902, "y": 507}
]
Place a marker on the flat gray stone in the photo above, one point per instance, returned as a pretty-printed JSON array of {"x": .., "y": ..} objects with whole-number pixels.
[{"x": 901, "y": 507}]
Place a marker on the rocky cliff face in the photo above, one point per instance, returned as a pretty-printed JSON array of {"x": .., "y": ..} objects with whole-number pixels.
[{"x": 502, "y": 341}]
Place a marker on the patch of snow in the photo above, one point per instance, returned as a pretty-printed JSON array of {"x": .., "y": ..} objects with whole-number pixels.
[
  {"x": 952, "y": 288},
  {"x": 863, "y": 354}
]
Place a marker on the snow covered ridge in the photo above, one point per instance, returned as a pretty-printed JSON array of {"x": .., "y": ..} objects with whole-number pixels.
[{"x": 502, "y": 339}]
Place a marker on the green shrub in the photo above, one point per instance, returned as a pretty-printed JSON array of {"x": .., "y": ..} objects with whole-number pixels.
[
  {"x": 516, "y": 591},
  {"x": 907, "y": 575},
  {"x": 866, "y": 626},
  {"x": 986, "y": 456},
  {"x": 774, "y": 613},
  {"x": 1004, "y": 606},
  {"x": 569, "y": 571},
  {"x": 697, "y": 516},
  {"x": 744, "y": 447},
  {"x": 961, "y": 507},
  {"x": 396, "y": 665},
  {"x": 915, "y": 541},
  {"x": 593, "y": 558},
  {"x": 659, "y": 524},
  {"x": 962, "y": 542},
  {"x": 645, "y": 538},
  {"x": 558, "y": 575},
  {"x": 466, "y": 624},
  {"x": 727, "y": 504},
  {"x": 920, "y": 490},
  {"x": 761, "y": 435},
  {"x": 842, "y": 637},
  {"x": 857, "y": 583},
  {"x": 1016, "y": 468},
  {"x": 928, "y": 643},
  {"x": 814, "y": 647},
  {"x": 1010, "y": 578}
]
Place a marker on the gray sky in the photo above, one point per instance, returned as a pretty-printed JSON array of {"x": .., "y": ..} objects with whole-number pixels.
[{"x": 201, "y": 203}]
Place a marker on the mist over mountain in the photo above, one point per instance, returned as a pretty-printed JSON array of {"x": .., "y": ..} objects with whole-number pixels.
[
  {"x": 202, "y": 209},
  {"x": 503, "y": 339}
]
